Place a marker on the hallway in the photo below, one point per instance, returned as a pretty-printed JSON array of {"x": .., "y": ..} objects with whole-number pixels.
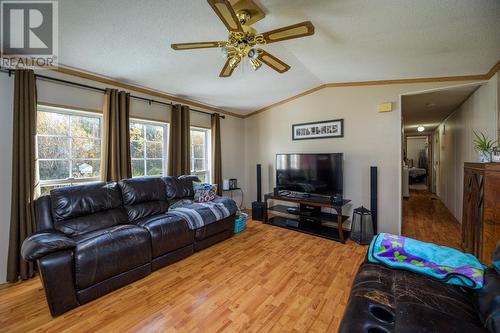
[{"x": 427, "y": 219}]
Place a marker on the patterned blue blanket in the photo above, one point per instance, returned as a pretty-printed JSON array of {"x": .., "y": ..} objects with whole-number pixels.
[
  {"x": 439, "y": 262},
  {"x": 198, "y": 215}
]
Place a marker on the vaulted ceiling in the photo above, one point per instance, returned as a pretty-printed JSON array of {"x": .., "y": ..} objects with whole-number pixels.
[{"x": 355, "y": 40}]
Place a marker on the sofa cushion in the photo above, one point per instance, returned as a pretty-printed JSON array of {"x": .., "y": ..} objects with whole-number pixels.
[
  {"x": 198, "y": 215},
  {"x": 168, "y": 233},
  {"x": 143, "y": 197},
  {"x": 487, "y": 301},
  {"x": 215, "y": 228},
  {"x": 104, "y": 253},
  {"x": 85, "y": 208},
  {"x": 389, "y": 300},
  {"x": 180, "y": 187}
]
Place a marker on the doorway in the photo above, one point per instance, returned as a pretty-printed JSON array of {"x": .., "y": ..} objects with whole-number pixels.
[{"x": 418, "y": 160}]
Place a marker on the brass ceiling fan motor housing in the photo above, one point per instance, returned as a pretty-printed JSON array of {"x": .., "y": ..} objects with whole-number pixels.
[{"x": 238, "y": 16}]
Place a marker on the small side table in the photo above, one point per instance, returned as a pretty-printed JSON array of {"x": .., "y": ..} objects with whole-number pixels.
[{"x": 231, "y": 194}]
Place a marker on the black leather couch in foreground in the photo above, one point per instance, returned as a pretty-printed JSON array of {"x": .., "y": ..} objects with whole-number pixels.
[
  {"x": 385, "y": 300},
  {"x": 93, "y": 239}
]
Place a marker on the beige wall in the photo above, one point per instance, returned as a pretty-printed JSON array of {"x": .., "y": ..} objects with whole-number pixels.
[
  {"x": 371, "y": 139},
  {"x": 479, "y": 113},
  {"x": 232, "y": 129}
]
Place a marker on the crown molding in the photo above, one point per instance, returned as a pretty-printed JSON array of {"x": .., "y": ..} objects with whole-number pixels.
[
  {"x": 147, "y": 91},
  {"x": 478, "y": 77},
  {"x": 493, "y": 70}
]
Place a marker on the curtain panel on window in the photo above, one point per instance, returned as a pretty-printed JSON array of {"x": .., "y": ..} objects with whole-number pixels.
[
  {"x": 179, "y": 152},
  {"x": 115, "y": 152},
  {"x": 25, "y": 183},
  {"x": 216, "y": 152}
]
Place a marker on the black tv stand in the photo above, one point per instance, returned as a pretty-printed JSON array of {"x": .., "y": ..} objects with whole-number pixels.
[{"x": 309, "y": 218}]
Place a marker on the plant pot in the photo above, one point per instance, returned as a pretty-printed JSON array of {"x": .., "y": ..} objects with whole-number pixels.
[{"x": 485, "y": 157}]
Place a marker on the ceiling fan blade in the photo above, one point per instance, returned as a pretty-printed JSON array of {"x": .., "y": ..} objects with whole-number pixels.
[
  {"x": 292, "y": 31},
  {"x": 227, "y": 70},
  {"x": 198, "y": 45},
  {"x": 273, "y": 62},
  {"x": 227, "y": 15}
]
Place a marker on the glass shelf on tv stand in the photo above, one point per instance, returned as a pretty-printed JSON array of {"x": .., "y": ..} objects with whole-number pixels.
[{"x": 321, "y": 224}]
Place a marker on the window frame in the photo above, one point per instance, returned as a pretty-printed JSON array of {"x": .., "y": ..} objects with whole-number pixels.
[
  {"x": 207, "y": 148},
  {"x": 69, "y": 181},
  {"x": 166, "y": 133}
]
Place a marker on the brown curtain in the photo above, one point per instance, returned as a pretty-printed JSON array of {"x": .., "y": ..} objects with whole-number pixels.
[
  {"x": 25, "y": 186},
  {"x": 115, "y": 153},
  {"x": 179, "y": 152},
  {"x": 216, "y": 153}
]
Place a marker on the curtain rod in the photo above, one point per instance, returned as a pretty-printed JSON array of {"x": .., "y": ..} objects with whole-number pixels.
[{"x": 81, "y": 85}]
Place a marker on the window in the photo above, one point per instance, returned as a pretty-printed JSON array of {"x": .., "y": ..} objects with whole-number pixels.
[
  {"x": 200, "y": 153},
  {"x": 69, "y": 147},
  {"x": 148, "y": 142}
]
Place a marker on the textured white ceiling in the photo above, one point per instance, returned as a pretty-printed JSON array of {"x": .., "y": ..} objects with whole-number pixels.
[{"x": 355, "y": 40}]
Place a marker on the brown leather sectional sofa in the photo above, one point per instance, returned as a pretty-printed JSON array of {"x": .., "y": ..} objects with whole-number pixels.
[
  {"x": 386, "y": 300},
  {"x": 93, "y": 239}
]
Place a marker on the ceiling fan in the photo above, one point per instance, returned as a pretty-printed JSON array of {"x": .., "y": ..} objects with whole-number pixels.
[{"x": 238, "y": 16}]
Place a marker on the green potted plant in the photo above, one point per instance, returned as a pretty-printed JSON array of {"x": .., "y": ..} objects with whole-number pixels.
[{"x": 484, "y": 146}]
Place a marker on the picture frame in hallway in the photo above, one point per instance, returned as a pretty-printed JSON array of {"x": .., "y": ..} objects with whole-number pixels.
[{"x": 318, "y": 130}]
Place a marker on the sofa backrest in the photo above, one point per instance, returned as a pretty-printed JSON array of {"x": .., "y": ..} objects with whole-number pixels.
[
  {"x": 43, "y": 213},
  {"x": 179, "y": 187},
  {"x": 143, "y": 197},
  {"x": 84, "y": 208}
]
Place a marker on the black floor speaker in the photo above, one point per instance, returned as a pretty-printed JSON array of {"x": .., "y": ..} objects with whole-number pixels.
[
  {"x": 374, "y": 197},
  {"x": 258, "y": 206},
  {"x": 258, "y": 211}
]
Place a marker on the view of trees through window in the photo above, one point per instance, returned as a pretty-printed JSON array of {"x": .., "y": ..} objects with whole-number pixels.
[
  {"x": 199, "y": 154},
  {"x": 147, "y": 148},
  {"x": 69, "y": 147}
]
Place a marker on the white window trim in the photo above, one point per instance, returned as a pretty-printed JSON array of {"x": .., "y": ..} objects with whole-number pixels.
[
  {"x": 208, "y": 152},
  {"x": 166, "y": 134},
  {"x": 71, "y": 112}
]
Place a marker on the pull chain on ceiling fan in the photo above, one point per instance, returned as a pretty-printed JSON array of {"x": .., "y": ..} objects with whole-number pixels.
[{"x": 238, "y": 16}]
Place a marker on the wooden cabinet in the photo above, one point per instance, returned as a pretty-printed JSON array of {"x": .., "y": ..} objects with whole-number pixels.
[{"x": 481, "y": 209}]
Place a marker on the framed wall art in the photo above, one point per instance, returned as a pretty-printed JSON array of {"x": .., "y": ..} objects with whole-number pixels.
[{"x": 318, "y": 130}]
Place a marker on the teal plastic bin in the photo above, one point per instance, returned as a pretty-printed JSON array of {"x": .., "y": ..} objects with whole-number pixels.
[{"x": 241, "y": 222}]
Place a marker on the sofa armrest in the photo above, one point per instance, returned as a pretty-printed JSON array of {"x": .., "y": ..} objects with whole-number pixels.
[{"x": 42, "y": 243}]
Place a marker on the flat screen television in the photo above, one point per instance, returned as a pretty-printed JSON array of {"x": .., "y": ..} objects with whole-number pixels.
[{"x": 320, "y": 174}]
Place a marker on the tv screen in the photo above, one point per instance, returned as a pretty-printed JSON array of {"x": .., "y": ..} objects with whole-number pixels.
[{"x": 310, "y": 173}]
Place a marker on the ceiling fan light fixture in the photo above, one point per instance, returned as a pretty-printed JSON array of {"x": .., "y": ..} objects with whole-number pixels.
[
  {"x": 243, "y": 40},
  {"x": 234, "y": 61},
  {"x": 256, "y": 64}
]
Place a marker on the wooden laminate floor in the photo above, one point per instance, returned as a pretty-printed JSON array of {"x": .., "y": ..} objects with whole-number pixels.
[
  {"x": 426, "y": 218},
  {"x": 266, "y": 279}
]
